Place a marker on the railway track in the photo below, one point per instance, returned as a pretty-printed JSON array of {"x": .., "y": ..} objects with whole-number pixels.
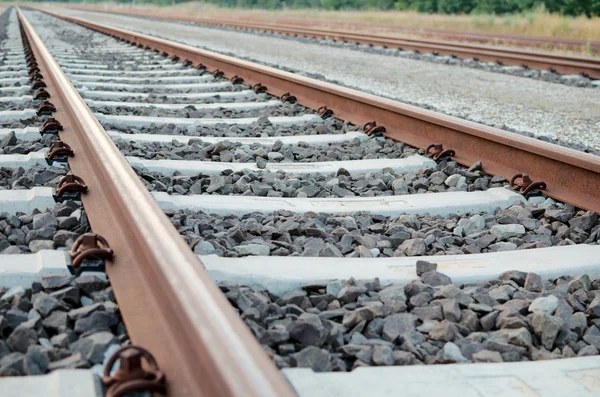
[
  {"x": 193, "y": 167},
  {"x": 555, "y": 62}
]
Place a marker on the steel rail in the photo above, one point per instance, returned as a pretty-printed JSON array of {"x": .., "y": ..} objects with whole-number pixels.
[
  {"x": 571, "y": 176},
  {"x": 567, "y": 64},
  {"x": 169, "y": 303}
]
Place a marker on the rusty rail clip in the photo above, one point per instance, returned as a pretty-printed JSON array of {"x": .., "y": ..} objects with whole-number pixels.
[
  {"x": 324, "y": 112},
  {"x": 438, "y": 151},
  {"x": 217, "y": 73},
  {"x": 51, "y": 124},
  {"x": 371, "y": 128},
  {"x": 525, "y": 185},
  {"x": 236, "y": 79},
  {"x": 45, "y": 108},
  {"x": 287, "y": 97},
  {"x": 41, "y": 94},
  {"x": 35, "y": 75},
  {"x": 187, "y": 62},
  {"x": 33, "y": 70},
  {"x": 175, "y": 58},
  {"x": 90, "y": 245},
  {"x": 38, "y": 84},
  {"x": 201, "y": 66},
  {"x": 59, "y": 149},
  {"x": 131, "y": 376},
  {"x": 70, "y": 183},
  {"x": 258, "y": 88}
]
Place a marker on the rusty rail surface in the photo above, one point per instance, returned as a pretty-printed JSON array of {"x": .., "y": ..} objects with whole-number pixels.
[
  {"x": 566, "y": 64},
  {"x": 571, "y": 176},
  {"x": 169, "y": 304}
]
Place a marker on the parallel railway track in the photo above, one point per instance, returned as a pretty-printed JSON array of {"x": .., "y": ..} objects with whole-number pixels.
[
  {"x": 565, "y": 64},
  {"x": 207, "y": 144}
]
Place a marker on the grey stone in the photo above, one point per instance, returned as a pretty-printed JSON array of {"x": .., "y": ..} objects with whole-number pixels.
[
  {"x": 413, "y": 247},
  {"x": 12, "y": 364},
  {"x": 204, "y": 248},
  {"x": 424, "y": 267},
  {"x": 546, "y": 327},
  {"x": 90, "y": 283},
  {"x": 92, "y": 347},
  {"x": 252, "y": 249},
  {"x": 398, "y": 324},
  {"x": 312, "y": 357},
  {"x": 436, "y": 279},
  {"x": 46, "y": 304},
  {"x": 308, "y": 330},
  {"x": 74, "y": 361},
  {"x": 383, "y": 355},
  {"x": 393, "y": 293},
  {"x": 21, "y": 338},
  {"x": 36, "y": 361},
  {"x": 487, "y": 356},
  {"x": 533, "y": 282}
]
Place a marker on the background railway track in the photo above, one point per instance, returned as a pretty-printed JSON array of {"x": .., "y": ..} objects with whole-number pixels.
[
  {"x": 348, "y": 197},
  {"x": 564, "y": 64}
]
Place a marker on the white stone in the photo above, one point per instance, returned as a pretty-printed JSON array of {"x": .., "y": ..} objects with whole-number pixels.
[
  {"x": 503, "y": 246},
  {"x": 547, "y": 304},
  {"x": 452, "y": 180},
  {"x": 503, "y": 232},
  {"x": 451, "y": 352}
]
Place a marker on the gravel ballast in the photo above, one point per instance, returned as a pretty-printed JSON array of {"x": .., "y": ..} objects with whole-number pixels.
[
  {"x": 266, "y": 183},
  {"x": 365, "y": 235},
  {"x": 63, "y": 322},
  {"x": 340, "y": 325}
]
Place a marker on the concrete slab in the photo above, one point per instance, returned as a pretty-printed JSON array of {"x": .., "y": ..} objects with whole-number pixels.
[
  {"x": 23, "y": 160},
  {"x": 105, "y": 72},
  {"x": 62, "y": 383},
  {"x": 556, "y": 378},
  {"x": 17, "y": 99},
  {"x": 140, "y": 80},
  {"x": 167, "y": 167},
  {"x": 280, "y": 276},
  {"x": 26, "y": 269},
  {"x": 198, "y": 87},
  {"x": 440, "y": 204},
  {"x": 13, "y": 73},
  {"x": 25, "y": 134},
  {"x": 137, "y": 121},
  {"x": 313, "y": 140},
  {"x": 9, "y": 115},
  {"x": 194, "y": 95},
  {"x": 7, "y": 81},
  {"x": 13, "y": 201},
  {"x": 198, "y": 106},
  {"x": 22, "y": 89}
]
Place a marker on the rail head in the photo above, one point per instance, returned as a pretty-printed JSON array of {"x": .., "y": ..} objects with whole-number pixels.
[{"x": 168, "y": 301}]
